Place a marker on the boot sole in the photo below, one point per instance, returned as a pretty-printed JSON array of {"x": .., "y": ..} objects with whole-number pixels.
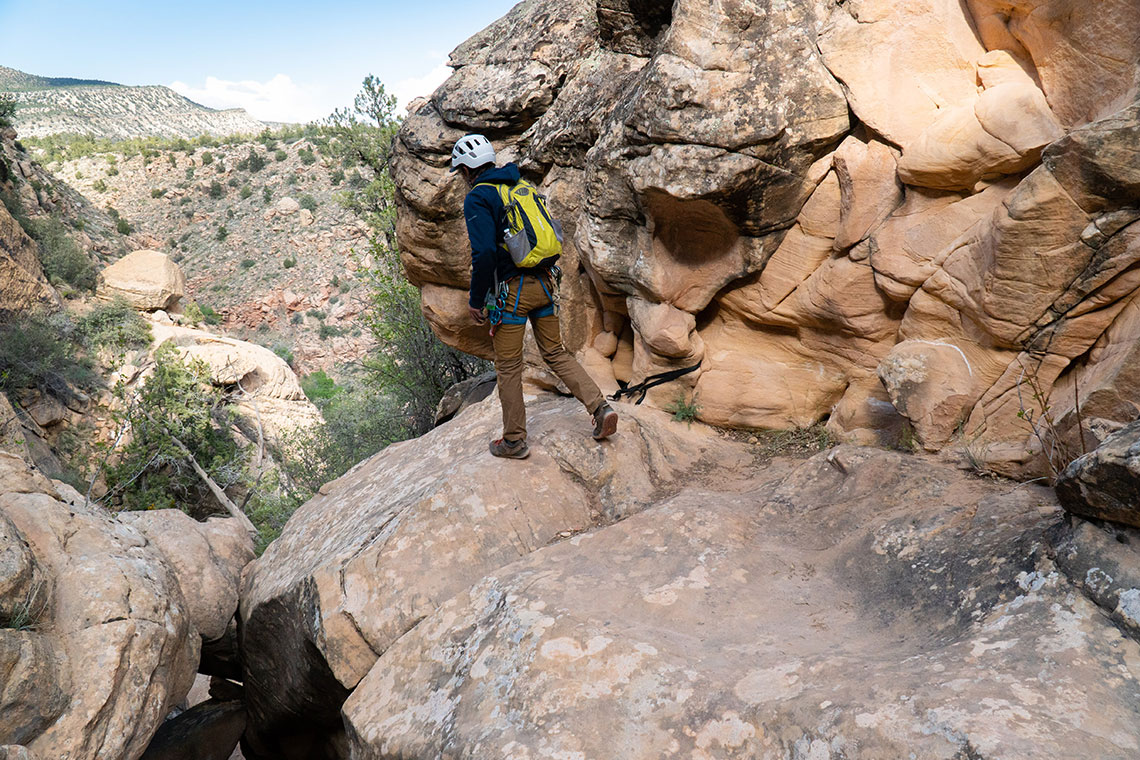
[{"x": 609, "y": 426}]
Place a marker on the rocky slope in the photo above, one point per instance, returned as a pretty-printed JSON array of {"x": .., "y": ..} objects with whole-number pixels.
[
  {"x": 669, "y": 593},
  {"x": 279, "y": 275},
  {"x": 49, "y": 106},
  {"x": 881, "y": 214}
]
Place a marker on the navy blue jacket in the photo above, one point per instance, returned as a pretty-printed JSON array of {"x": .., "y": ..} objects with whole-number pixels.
[{"x": 486, "y": 223}]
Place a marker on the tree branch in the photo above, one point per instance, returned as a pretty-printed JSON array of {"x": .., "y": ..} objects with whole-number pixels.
[{"x": 215, "y": 489}]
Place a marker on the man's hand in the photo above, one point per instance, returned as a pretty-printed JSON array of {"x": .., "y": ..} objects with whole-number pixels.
[{"x": 477, "y": 315}]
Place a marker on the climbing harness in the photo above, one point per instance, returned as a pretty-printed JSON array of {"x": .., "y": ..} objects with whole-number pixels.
[
  {"x": 652, "y": 382},
  {"x": 497, "y": 307}
]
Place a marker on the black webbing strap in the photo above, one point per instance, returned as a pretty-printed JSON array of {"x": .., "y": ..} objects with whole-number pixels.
[{"x": 652, "y": 382}]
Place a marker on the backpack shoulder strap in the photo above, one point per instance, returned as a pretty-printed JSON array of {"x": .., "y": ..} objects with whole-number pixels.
[{"x": 503, "y": 190}]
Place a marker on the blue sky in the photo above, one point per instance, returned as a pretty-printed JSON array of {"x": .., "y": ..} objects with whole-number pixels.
[{"x": 282, "y": 60}]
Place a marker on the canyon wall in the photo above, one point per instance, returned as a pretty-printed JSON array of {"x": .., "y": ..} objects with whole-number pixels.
[{"x": 906, "y": 219}]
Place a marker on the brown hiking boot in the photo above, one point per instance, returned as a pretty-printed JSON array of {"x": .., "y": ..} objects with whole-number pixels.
[
  {"x": 509, "y": 449},
  {"x": 605, "y": 421}
]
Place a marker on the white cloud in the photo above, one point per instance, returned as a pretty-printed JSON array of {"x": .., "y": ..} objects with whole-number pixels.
[
  {"x": 407, "y": 90},
  {"x": 279, "y": 99}
]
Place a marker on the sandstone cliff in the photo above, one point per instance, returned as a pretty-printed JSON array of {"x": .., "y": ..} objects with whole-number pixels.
[{"x": 874, "y": 212}]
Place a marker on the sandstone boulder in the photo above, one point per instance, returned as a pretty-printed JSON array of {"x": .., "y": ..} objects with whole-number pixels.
[
  {"x": 1068, "y": 45},
  {"x": 1105, "y": 484},
  {"x": 381, "y": 548},
  {"x": 533, "y": 661},
  {"x": 147, "y": 280},
  {"x": 96, "y": 641},
  {"x": 932, "y": 385},
  {"x": 287, "y": 206},
  {"x": 579, "y": 666},
  {"x": 1103, "y": 561},
  {"x": 207, "y": 558},
  {"x": 1000, "y": 133}
]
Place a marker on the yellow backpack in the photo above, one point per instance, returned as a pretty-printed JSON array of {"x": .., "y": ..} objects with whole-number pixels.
[{"x": 532, "y": 236}]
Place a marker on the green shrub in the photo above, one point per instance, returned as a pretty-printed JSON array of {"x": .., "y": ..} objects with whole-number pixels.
[
  {"x": 329, "y": 331},
  {"x": 8, "y": 108},
  {"x": 306, "y": 156},
  {"x": 115, "y": 326},
  {"x": 247, "y": 263},
  {"x": 209, "y": 316},
  {"x": 189, "y": 172},
  {"x": 152, "y": 471},
  {"x": 112, "y": 171},
  {"x": 289, "y": 263},
  {"x": 297, "y": 319},
  {"x": 233, "y": 182},
  {"x": 254, "y": 162},
  {"x": 99, "y": 186},
  {"x": 266, "y": 195},
  {"x": 284, "y": 352},
  {"x": 318, "y": 385},
  {"x": 246, "y": 192},
  {"x": 193, "y": 313},
  {"x": 40, "y": 350},
  {"x": 222, "y": 234},
  {"x": 355, "y": 427},
  {"x": 308, "y": 201},
  {"x": 158, "y": 192},
  {"x": 216, "y": 190},
  {"x": 207, "y": 158},
  {"x": 170, "y": 159},
  {"x": 123, "y": 226},
  {"x": 279, "y": 156},
  {"x": 62, "y": 259},
  {"x": 337, "y": 177},
  {"x": 316, "y": 313},
  {"x": 684, "y": 408}
]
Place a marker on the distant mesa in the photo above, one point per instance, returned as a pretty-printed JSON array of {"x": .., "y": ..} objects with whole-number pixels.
[{"x": 60, "y": 105}]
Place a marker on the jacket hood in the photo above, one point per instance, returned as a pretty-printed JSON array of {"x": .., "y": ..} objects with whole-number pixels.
[{"x": 503, "y": 175}]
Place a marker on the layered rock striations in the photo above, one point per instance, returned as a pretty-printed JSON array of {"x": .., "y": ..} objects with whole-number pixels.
[{"x": 874, "y": 212}]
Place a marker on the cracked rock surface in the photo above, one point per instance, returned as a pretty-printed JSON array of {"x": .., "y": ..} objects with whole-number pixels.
[
  {"x": 96, "y": 643},
  {"x": 670, "y": 593},
  {"x": 102, "y": 619}
]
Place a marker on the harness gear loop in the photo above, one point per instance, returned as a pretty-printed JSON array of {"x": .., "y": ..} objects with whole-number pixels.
[
  {"x": 652, "y": 382},
  {"x": 497, "y": 308}
]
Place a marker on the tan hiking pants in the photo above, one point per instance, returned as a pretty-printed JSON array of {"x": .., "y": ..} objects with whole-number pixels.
[{"x": 508, "y": 341}]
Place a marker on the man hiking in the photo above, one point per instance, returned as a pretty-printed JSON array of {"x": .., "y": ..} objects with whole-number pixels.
[{"x": 502, "y": 210}]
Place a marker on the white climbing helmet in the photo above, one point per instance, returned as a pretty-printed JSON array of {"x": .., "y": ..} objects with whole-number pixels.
[{"x": 473, "y": 151}]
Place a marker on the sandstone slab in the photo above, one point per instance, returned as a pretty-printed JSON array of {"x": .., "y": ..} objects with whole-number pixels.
[
  {"x": 381, "y": 548},
  {"x": 865, "y": 634}
]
